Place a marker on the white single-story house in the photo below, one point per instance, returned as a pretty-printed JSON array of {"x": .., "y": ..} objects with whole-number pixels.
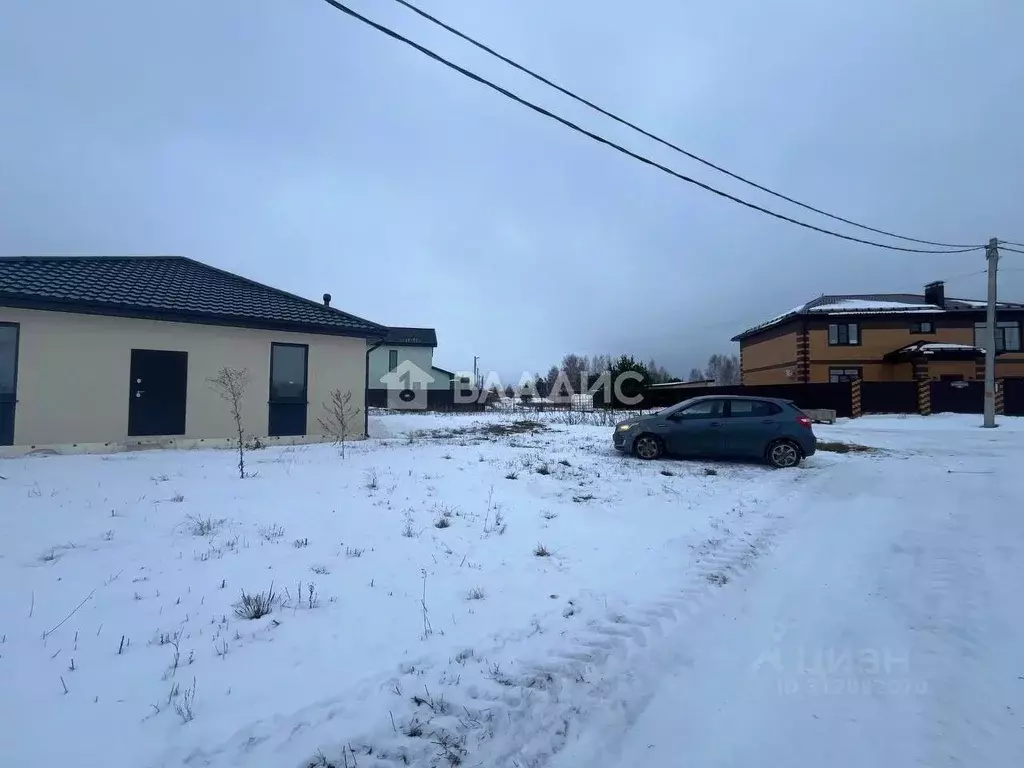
[
  {"x": 102, "y": 353},
  {"x": 404, "y": 361}
]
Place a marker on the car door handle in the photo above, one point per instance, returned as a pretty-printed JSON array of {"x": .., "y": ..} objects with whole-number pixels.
[
  {"x": 768, "y": 421},
  {"x": 715, "y": 424}
]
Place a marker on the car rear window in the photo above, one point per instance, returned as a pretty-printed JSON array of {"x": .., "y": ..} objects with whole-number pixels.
[{"x": 753, "y": 408}]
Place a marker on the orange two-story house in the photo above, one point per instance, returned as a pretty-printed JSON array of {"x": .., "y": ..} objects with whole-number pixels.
[{"x": 881, "y": 337}]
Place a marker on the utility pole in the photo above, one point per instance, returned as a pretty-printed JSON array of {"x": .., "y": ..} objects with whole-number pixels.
[
  {"x": 476, "y": 377},
  {"x": 992, "y": 257}
]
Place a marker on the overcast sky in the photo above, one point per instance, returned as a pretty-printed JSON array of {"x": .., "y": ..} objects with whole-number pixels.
[{"x": 285, "y": 141}]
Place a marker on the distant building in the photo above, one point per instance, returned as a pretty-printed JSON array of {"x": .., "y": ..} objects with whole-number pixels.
[{"x": 881, "y": 337}]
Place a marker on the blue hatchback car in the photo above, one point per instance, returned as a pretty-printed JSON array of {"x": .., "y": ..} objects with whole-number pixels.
[{"x": 722, "y": 426}]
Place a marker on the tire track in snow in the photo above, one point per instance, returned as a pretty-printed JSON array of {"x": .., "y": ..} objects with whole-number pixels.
[
  {"x": 948, "y": 612},
  {"x": 523, "y": 719},
  {"x": 473, "y": 712},
  {"x": 953, "y": 640}
]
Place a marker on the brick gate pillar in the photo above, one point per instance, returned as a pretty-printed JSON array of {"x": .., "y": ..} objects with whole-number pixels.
[{"x": 924, "y": 397}]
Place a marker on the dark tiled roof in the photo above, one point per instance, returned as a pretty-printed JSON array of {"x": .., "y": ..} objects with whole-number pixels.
[
  {"x": 422, "y": 337},
  {"x": 873, "y": 304},
  {"x": 172, "y": 288}
]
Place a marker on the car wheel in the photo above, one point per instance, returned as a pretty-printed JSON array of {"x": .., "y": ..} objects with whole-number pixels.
[
  {"x": 648, "y": 447},
  {"x": 784, "y": 454}
]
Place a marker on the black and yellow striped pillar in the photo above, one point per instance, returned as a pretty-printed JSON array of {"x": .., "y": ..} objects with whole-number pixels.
[
  {"x": 803, "y": 357},
  {"x": 855, "y": 407},
  {"x": 924, "y": 397}
]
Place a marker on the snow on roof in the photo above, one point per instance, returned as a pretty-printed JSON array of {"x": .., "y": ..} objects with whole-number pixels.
[
  {"x": 935, "y": 347},
  {"x": 777, "y": 319},
  {"x": 932, "y": 347},
  {"x": 867, "y": 304},
  {"x": 945, "y": 345},
  {"x": 784, "y": 315},
  {"x": 871, "y": 305},
  {"x": 681, "y": 384}
]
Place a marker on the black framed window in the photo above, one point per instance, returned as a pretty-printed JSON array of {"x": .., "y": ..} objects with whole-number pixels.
[
  {"x": 1007, "y": 335},
  {"x": 8, "y": 359},
  {"x": 288, "y": 389},
  {"x": 843, "y": 334},
  {"x": 392, "y": 359},
  {"x": 923, "y": 326},
  {"x": 288, "y": 372},
  {"x": 836, "y": 375},
  {"x": 8, "y": 380}
]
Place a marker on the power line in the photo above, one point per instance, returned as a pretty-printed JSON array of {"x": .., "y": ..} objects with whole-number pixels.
[
  {"x": 648, "y": 134},
  {"x": 983, "y": 272},
  {"x": 601, "y": 140},
  {"x": 1011, "y": 250},
  {"x": 967, "y": 274},
  {"x": 1007, "y": 242}
]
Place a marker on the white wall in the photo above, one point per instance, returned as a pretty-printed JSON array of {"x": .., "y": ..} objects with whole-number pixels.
[
  {"x": 421, "y": 357},
  {"x": 74, "y": 374}
]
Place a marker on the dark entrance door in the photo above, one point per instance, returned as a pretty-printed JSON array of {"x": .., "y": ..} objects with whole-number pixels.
[
  {"x": 158, "y": 391},
  {"x": 8, "y": 380},
  {"x": 288, "y": 391}
]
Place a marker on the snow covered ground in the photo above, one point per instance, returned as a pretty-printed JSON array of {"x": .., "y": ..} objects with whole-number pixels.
[{"x": 459, "y": 591}]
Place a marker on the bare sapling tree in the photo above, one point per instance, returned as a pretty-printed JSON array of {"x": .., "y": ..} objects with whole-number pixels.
[
  {"x": 342, "y": 419},
  {"x": 230, "y": 384}
]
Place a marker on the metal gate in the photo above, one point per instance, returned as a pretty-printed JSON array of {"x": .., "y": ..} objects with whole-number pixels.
[
  {"x": 958, "y": 396},
  {"x": 889, "y": 397},
  {"x": 1013, "y": 397}
]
